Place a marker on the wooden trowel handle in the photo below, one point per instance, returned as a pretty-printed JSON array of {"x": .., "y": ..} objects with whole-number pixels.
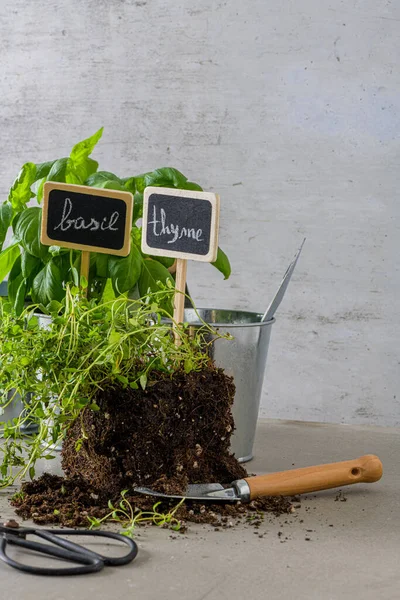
[{"x": 365, "y": 469}]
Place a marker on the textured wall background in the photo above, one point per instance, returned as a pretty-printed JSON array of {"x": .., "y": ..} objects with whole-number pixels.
[{"x": 290, "y": 111}]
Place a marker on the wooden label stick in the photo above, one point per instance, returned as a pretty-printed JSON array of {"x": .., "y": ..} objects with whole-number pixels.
[
  {"x": 180, "y": 224},
  {"x": 179, "y": 298},
  {"x": 85, "y": 262}
]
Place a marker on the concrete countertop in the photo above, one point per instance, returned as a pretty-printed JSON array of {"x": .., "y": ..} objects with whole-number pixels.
[{"x": 352, "y": 550}]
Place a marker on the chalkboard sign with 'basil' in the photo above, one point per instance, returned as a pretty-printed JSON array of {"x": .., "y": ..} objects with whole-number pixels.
[
  {"x": 86, "y": 218},
  {"x": 180, "y": 224}
]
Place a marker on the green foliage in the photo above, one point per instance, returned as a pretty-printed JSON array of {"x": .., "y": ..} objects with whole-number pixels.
[
  {"x": 130, "y": 517},
  {"x": 7, "y": 259},
  {"x": 84, "y": 346},
  {"x": 5, "y": 220},
  {"x": 27, "y": 232},
  {"x": 20, "y": 192},
  {"x": 48, "y": 281}
]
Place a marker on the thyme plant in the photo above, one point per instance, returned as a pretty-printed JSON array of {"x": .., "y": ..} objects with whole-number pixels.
[{"x": 84, "y": 346}]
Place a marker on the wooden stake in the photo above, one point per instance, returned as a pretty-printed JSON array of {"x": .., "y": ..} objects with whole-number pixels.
[
  {"x": 179, "y": 299},
  {"x": 85, "y": 263}
]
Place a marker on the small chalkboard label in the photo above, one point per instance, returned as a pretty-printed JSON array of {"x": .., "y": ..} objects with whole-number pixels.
[
  {"x": 86, "y": 218},
  {"x": 180, "y": 223}
]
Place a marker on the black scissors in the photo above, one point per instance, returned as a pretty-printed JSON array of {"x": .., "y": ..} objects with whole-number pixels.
[{"x": 11, "y": 534}]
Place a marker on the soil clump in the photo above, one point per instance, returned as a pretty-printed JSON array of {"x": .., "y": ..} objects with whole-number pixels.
[{"x": 174, "y": 432}]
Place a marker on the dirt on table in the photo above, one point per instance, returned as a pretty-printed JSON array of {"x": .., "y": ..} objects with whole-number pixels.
[
  {"x": 70, "y": 502},
  {"x": 174, "y": 432}
]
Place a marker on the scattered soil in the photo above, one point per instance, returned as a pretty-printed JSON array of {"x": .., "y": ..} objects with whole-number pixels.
[
  {"x": 176, "y": 431},
  {"x": 70, "y": 501}
]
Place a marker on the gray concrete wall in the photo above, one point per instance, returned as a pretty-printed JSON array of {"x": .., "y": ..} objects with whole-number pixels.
[{"x": 290, "y": 110}]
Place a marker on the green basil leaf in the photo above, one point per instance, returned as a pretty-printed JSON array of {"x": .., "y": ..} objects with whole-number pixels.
[
  {"x": 30, "y": 266},
  {"x": 164, "y": 260},
  {"x": 81, "y": 151},
  {"x": 169, "y": 177},
  {"x": 125, "y": 271},
  {"x": 129, "y": 184},
  {"x": 20, "y": 192},
  {"x": 19, "y": 302},
  {"x": 15, "y": 271},
  {"x": 78, "y": 172},
  {"x": 136, "y": 236},
  {"x": 80, "y": 166},
  {"x": 58, "y": 170},
  {"x": 27, "y": 232},
  {"x": 190, "y": 185},
  {"x": 96, "y": 179},
  {"x": 43, "y": 169},
  {"x": 62, "y": 261},
  {"x": 6, "y": 213},
  {"x": 37, "y": 189},
  {"x": 47, "y": 285},
  {"x": 112, "y": 184},
  {"x": 165, "y": 177},
  {"x": 7, "y": 259},
  {"x": 153, "y": 272},
  {"x": 222, "y": 264},
  {"x": 102, "y": 265},
  {"x": 17, "y": 287},
  {"x": 140, "y": 182},
  {"x": 137, "y": 206}
]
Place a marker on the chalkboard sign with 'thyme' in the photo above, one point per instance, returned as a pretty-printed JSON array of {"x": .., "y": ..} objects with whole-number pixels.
[
  {"x": 180, "y": 223},
  {"x": 85, "y": 218}
]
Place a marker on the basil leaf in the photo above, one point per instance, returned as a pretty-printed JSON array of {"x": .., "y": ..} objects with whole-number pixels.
[
  {"x": 169, "y": 177},
  {"x": 19, "y": 301},
  {"x": 125, "y": 271},
  {"x": 164, "y": 260},
  {"x": 30, "y": 266},
  {"x": 78, "y": 172},
  {"x": 58, "y": 170},
  {"x": 102, "y": 265},
  {"x": 20, "y": 192},
  {"x": 47, "y": 285},
  {"x": 81, "y": 151},
  {"x": 37, "y": 189},
  {"x": 137, "y": 206},
  {"x": 6, "y": 213},
  {"x": 43, "y": 169},
  {"x": 189, "y": 185},
  {"x": 222, "y": 264},
  {"x": 7, "y": 259},
  {"x": 96, "y": 179},
  {"x": 152, "y": 272},
  {"x": 165, "y": 177},
  {"x": 17, "y": 287},
  {"x": 80, "y": 166},
  {"x": 27, "y": 231},
  {"x": 112, "y": 184},
  {"x": 130, "y": 184}
]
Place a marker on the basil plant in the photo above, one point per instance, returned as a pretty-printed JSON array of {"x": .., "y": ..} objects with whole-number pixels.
[{"x": 39, "y": 273}]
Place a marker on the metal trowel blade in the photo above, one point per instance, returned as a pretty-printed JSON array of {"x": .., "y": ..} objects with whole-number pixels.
[{"x": 204, "y": 492}]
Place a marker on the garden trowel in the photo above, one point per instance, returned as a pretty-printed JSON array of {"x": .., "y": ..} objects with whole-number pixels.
[{"x": 365, "y": 469}]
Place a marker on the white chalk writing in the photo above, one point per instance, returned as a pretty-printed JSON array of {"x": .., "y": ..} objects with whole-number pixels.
[
  {"x": 106, "y": 223},
  {"x": 176, "y": 232}
]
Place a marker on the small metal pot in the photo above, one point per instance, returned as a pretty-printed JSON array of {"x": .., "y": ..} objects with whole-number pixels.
[{"x": 245, "y": 359}]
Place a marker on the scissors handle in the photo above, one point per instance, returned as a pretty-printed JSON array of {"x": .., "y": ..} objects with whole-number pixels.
[
  {"x": 53, "y": 536},
  {"x": 87, "y": 564},
  {"x": 88, "y": 561}
]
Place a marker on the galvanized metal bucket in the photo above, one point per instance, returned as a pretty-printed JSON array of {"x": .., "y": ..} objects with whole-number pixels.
[
  {"x": 12, "y": 411},
  {"x": 245, "y": 359}
]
